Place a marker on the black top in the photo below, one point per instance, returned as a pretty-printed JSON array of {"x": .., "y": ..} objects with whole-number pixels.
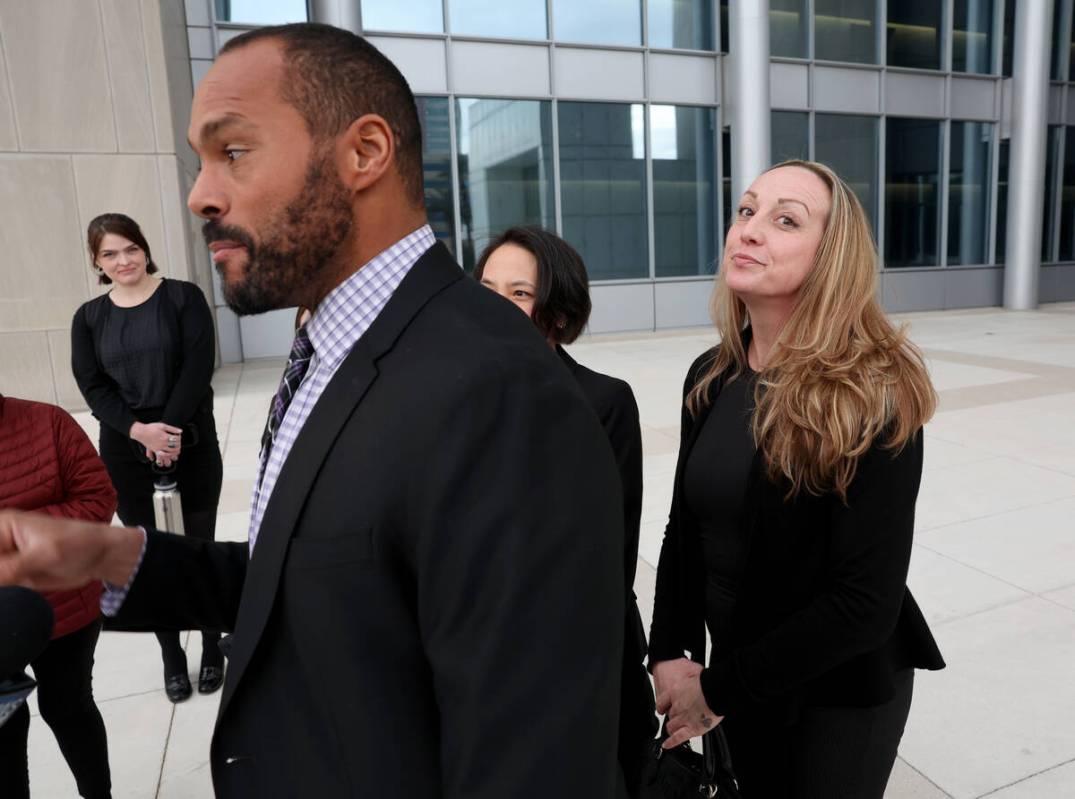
[
  {"x": 152, "y": 362},
  {"x": 715, "y": 483},
  {"x": 822, "y": 614}
]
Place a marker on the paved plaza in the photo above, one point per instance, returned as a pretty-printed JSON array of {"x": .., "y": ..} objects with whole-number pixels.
[{"x": 993, "y": 565}]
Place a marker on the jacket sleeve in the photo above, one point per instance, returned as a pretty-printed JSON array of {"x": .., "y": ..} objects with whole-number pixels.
[
  {"x": 625, "y": 434},
  {"x": 85, "y": 485},
  {"x": 185, "y": 583},
  {"x": 520, "y": 587},
  {"x": 198, "y": 358},
  {"x": 868, "y": 557},
  {"x": 99, "y": 390},
  {"x": 672, "y": 608}
]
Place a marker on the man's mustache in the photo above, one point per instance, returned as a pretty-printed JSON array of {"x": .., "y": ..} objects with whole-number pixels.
[{"x": 215, "y": 231}]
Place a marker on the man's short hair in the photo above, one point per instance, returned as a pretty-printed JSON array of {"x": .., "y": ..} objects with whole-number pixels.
[{"x": 332, "y": 77}]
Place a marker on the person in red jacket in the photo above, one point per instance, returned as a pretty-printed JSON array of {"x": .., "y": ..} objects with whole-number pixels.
[{"x": 48, "y": 465}]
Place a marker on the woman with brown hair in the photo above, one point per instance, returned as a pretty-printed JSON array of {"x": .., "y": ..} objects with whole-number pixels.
[
  {"x": 790, "y": 531},
  {"x": 143, "y": 356}
]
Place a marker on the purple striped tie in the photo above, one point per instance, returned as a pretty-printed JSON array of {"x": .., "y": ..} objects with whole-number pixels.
[{"x": 297, "y": 364}]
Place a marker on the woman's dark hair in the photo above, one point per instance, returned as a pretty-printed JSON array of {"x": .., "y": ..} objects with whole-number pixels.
[
  {"x": 562, "y": 306},
  {"x": 120, "y": 225}
]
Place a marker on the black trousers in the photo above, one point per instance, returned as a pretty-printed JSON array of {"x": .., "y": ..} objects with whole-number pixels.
[
  {"x": 64, "y": 674},
  {"x": 199, "y": 475},
  {"x": 829, "y": 753}
]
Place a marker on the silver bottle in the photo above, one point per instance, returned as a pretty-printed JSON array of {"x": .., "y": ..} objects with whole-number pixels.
[{"x": 167, "y": 506}]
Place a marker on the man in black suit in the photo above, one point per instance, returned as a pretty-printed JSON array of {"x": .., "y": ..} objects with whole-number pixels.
[{"x": 431, "y": 602}]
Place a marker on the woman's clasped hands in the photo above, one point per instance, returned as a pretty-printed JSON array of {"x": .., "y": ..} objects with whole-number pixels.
[
  {"x": 680, "y": 699},
  {"x": 162, "y": 441}
]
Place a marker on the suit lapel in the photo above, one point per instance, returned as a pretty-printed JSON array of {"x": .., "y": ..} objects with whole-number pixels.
[{"x": 432, "y": 273}]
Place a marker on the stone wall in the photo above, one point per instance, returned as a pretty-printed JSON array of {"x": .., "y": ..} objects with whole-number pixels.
[{"x": 94, "y": 105}]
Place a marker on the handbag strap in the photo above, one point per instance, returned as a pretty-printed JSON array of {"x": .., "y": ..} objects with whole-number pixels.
[{"x": 716, "y": 761}]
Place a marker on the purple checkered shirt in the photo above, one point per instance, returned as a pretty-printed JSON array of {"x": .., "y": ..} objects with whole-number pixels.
[{"x": 339, "y": 321}]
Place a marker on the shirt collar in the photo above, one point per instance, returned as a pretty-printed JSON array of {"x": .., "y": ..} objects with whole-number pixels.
[{"x": 350, "y": 308}]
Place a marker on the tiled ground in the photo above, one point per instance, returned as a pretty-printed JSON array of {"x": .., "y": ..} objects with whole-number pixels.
[{"x": 993, "y": 565}]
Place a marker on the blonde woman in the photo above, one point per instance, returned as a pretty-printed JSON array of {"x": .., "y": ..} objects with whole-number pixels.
[{"x": 790, "y": 529}]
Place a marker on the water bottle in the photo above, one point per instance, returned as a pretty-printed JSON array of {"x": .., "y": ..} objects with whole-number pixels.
[{"x": 167, "y": 506}]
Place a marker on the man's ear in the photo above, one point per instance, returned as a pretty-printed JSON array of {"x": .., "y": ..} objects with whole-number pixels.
[{"x": 368, "y": 151}]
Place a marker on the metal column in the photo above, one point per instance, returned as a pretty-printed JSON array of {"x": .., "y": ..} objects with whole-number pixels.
[
  {"x": 1026, "y": 183},
  {"x": 748, "y": 91},
  {"x": 341, "y": 13}
]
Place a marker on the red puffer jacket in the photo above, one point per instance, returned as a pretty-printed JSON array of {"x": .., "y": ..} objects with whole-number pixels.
[{"x": 48, "y": 465}]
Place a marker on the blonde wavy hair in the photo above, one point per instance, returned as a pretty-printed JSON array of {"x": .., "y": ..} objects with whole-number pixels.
[{"x": 840, "y": 375}]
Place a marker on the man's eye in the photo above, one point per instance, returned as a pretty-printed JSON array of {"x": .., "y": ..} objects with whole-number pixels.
[{"x": 233, "y": 154}]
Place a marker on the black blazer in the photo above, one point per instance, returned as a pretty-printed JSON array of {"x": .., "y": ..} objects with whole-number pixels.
[
  {"x": 614, "y": 403},
  {"x": 431, "y": 609},
  {"x": 823, "y": 615}
]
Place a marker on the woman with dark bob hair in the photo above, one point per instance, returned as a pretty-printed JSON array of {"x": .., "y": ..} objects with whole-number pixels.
[
  {"x": 793, "y": 506},
  {"x": 545, "y": 276},
  {"x": 143, "y": 355}
]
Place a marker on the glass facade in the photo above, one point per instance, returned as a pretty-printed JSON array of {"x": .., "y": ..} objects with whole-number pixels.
[
  {"x": 1001, "y": 237},
  {"x": 849, "y": 144},
  {"x": 603, "y": 187},
  {"x": 845, "y": 30},
  {"x": 414, "y": 16},
  {"x": 1048, "y": 224},
  {"x": 914, "y": 34},
  {"x": 972, "y": 36},
  {"x": 912, "y": 182},
  {"x": 260, "y": 12},
  {"x": 598, "y": 21},
  {"x": 685, "y": 24},
  {"x": 1067, "y": 199},
  {"x": 437, "y": 166},
  {"x": 684, "y": 153},
  {"x": 969, "y": 177},
  {"x": 504, "y": 150},
  {"x": 788, "y": 28},
  {"x": 517, "y": 19},
  {"x": 789, "y": 135}
]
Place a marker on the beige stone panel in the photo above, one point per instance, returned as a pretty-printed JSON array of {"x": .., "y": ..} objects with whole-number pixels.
[
  {"x": 8, "y": 139},
  {"x": 171, "y": 85},
  {"x": 130, "y": 79},
  {"x": 173, "y": 202},
  {"x": 128, "y": 184},
  {"x": 25, "y": 366},
  {"x": 67, "y": 394},
  {"x": 59, "y": 75},
  {"x": 42, "y": 278}
]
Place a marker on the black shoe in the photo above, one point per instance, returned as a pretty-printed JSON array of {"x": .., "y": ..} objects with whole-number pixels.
[
  {"x": 177, "y": 687},
  {"x": 210, "y": 679}
]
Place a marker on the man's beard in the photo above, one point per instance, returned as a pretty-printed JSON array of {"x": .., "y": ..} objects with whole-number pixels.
[{"x": 298, "y": 247}]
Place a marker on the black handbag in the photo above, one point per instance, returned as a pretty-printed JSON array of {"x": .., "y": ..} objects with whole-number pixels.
[{"x": 682, "y": 773}]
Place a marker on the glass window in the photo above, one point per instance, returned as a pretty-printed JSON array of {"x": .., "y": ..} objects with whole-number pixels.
[
  {"x": 1002, "y": 200},
  {"x": 789, "y": 135},
  {"x": 1009, "y": 38},
  {"x": 724, "y": 30},
  {"x": 914, "y": 28},
  {"x": 1067, "y": 200},
  {"x": 844, "y": 30},
  {"x": 414, "y": 16},
  {"x": 972, "y": 36},
  {"x": 603, "y": 187},
  {"x": 1071, "y": 50},
  {"x": 913, "y": 159},
  {"x": 1058, "y": 53},
  {"x": 598, "y": 21},
  {"x": 787, "y": 28},
  {"x": 505, "y": 169},
  {"x": 684, "y": 152},
  {"x": 726, "y": 177},
  {"x": 1048, "y": 223},
  {"x": 685, "y": 24},
  {"x": 970, "y": 146},
  {"x": 848, "y": 144},
  {"x": 502, "y": 19},
  {"x": 260, "y": 12},
  {"x": 437, "y": 166}
]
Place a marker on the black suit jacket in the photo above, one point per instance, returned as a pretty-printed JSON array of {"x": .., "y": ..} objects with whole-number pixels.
[
  {"x": 823, "y": 615},
  {"x": 614, "y": 403},
  {"x": 431, "y": 609}
]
